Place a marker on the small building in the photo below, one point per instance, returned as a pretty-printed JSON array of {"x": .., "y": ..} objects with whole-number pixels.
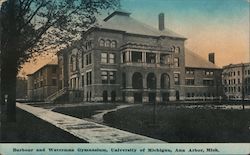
[
  {"x": 43, "y": 82},
  {"x": 236, "y": 81}
]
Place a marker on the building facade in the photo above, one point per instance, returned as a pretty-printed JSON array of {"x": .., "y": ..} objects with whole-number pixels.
[
  {"x": 125, "y": 60},
  {"x": 43, "y": 82},
  {"x": 236, "y": 81}
]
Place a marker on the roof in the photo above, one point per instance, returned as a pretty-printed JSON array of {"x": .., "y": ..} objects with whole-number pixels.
[
  {"x": 195, "y": 61},
  {"x": 121, "y": 21},
  {"x": 236, "y": 65},
  {"x": 53, "y": 62}
]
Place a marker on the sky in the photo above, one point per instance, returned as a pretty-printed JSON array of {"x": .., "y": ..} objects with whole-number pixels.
[{"x": 219, "y": 26}]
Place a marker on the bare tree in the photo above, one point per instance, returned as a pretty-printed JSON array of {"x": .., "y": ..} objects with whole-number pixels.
[{"x": 30, "y": 27}]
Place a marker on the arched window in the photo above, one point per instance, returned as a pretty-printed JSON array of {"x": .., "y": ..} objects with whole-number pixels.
[
  {"x": 101, "y": 42},
  {"x": 107, "y": 43},
  {"x": 113, "y": 44},
  {"x": 165, "y": 81},
  {"x": 172, "y": 49},
  {"x": 137, "y": 81},
  {"x": 177, "y": 50},
  {"x": 151, "y": 81}
]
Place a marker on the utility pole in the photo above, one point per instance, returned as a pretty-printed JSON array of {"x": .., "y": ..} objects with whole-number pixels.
[{"x": 243, "y": 86}]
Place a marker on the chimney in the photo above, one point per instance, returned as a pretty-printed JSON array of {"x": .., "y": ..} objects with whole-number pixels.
[
  {"x": 211, "y": 57},
  {"x": 161, "y": 22}
]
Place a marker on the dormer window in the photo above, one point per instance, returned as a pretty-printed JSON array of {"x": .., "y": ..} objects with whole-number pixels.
[
  {"x": 113, "y": 44},
  {"x": 107, "y": 43},
  {"x": 102, "y": 43}
]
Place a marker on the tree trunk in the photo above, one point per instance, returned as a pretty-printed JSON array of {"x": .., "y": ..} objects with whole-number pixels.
[{"x": 8, "y": 90}]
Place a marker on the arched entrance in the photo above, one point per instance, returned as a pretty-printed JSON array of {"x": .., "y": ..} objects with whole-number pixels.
[
  {"x": 165, "y": 81},
  {"x": 113, "y": 96},
  {"x": 105, "y": 96},
  {"x": 137, "y": 82},
  {"x": 151, "y": 84},
  {"x": 151, "y": 81}
]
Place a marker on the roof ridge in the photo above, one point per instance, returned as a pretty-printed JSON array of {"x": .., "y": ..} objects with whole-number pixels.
[{"x": 190, "y": 52}]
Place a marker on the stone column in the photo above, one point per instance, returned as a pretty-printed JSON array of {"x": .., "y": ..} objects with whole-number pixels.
[
  {"x": 144, "y": 57},
  {"x": 157, "y": 57}
]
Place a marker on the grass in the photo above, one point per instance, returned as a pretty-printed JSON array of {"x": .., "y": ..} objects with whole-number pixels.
[
  {"x": 83, "y": 111},
  {"x": 29, "y": 128},
  {"x": 183, "y": 124}
]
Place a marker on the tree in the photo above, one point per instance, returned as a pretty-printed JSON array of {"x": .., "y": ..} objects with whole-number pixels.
[{"x": 31, "y": 27}]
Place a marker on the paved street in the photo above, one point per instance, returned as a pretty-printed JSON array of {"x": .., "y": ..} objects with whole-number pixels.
[{"x": 85, "y": 129}]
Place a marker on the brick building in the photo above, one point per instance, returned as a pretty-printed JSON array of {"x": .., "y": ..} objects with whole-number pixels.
[
  {"x": 236, "y": 81},
  {"x": 123, "y": 59},
  {"x": 43, "y": 82}
]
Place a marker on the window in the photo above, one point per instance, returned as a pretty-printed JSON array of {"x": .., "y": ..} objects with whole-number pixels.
[
  {"x": 177, "y": 50},
  {"x": 238, "y": 81},
  {"x": 190, "y": 71},
  {"x": 164, "y": 59},
  {"x": 89, "y": 78},
  {"x": 54, "y": 82},
  {"x": 124, "y": 57},
  {"x": 82, "y": 59},
  {"x": 176, "y": 78},
  {"x": 124, "y": 80},
  {"x": 88, "y": 59},
  {"x": 112, "y": 77},
  {"x": 54, "y": 70},
  {"x": 82, "y": 81},
  {"x": 239, "y": 89},
  {"x": 104, "y": 57},
  {"x": 189, "y": 81},
  {"x": 136, "y": 56},
  {"x": 107, "y": 43},
  {"x": 225, "y": 89},
  {"x": 111, "y": 58},
  {"x": 150, "y": 57},
  {"x": 209, "y": 73},
  {"x": 172, "y": 49},
  {"x": 208, "y": 82},
  {"x": 104, "y": 75},
  {"x": 238, "y": 73},
  {"x": 176, "y": 62},
  {"x": 102, "y": 43},
  {"x": 113, "y": 44},
  {"x": 41, "y": 83}
]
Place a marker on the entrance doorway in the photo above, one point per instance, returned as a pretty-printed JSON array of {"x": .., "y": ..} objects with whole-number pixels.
[
  {"x": 138, "y": 97},
  {"x": 177, "y": 95},
  {"x": 105, "y": 96},
  {"x": 151, "y": 97},
  {"x": 165, "y": 96},
  {"x": 113, "y": 96}
]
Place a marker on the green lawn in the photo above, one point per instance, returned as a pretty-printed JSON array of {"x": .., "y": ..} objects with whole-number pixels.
[
  {"x": 29, "y": 128},
  {"x": 83, "y": 111},
  {"x": 183, "y": 124}
]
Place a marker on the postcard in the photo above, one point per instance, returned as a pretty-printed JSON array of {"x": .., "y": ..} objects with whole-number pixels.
[{"x": 142, "y": 77}]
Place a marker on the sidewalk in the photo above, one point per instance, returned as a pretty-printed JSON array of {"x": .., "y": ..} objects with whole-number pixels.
[{"x": 87, "y": 130}]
